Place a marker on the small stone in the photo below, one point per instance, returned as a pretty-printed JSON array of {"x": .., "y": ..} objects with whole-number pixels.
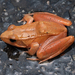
[
  {"x": 17, "y": 1},
  {"x": 48, "y": 2},
  {"x": 6, "y": 13}
]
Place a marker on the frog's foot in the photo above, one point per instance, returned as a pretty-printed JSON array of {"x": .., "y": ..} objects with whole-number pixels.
[
  {"x": 36, "y": 59},
  {"x": 33, "y": 59},
  {"x": 24, "y": 22},
  {"x": 27, "y": 19}
]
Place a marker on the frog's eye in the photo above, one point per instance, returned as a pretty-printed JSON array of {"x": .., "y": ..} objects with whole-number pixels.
[{"x": 12, "y": 40}]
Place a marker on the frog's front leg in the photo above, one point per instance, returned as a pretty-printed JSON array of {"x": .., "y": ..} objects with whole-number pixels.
[
  {"x": 33, "y": 48},
  {"x": 27, "y": 19}
]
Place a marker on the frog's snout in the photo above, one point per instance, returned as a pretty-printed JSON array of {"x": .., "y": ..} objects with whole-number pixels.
[
  {"x": 9, "y": 38},
  {"x": 5, "y": 36}
]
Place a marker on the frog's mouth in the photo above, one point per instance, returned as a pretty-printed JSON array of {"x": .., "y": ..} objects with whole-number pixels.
[
  {"x": 5, "y": 37},
  {"x": 13, "y": 42}
]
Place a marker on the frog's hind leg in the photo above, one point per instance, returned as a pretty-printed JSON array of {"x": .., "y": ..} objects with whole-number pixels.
[
  {"x": 51, "y": 49},
  {"x": 48, "y": 41},
  {"x": 57, "y": 47}
]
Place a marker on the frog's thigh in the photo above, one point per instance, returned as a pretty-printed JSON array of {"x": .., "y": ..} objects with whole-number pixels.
[{"x": 33, "y": 48}]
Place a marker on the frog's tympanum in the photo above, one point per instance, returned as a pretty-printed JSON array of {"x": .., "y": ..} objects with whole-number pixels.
[{"x": 46, "y": 36}]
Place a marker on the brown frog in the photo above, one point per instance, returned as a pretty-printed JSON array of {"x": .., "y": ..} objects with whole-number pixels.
[{"x": 46, "y": 36}]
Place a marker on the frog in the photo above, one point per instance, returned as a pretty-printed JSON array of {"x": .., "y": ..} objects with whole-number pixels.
[{"x": 43, "y": 34}]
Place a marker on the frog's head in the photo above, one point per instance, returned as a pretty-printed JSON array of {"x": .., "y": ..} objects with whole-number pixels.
[{"x": 11, "y": 36}]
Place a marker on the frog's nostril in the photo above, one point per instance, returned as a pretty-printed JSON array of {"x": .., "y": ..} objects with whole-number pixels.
[{"x": 12, "y": 40}]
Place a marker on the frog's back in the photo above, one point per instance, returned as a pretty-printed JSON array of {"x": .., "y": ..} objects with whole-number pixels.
[
  {"x": 29, "y": 31},
  {"x": 41, "y": 28}
]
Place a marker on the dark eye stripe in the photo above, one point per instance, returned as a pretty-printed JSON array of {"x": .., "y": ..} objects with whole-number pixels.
[{"x": 12, "y": 40}]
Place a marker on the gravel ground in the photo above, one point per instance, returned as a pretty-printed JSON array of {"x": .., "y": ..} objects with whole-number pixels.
[{"x": 13, "y": 63}]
